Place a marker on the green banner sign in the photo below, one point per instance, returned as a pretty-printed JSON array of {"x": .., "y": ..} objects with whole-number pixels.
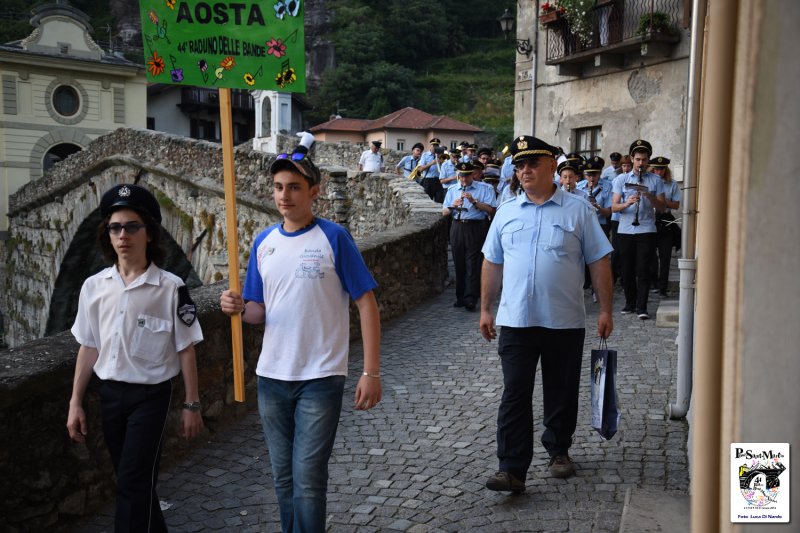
[{"x": 244, "y": 44}]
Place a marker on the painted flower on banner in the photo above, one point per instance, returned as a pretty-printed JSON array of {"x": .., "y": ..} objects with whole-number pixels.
[
  {"x": 249, "y": 79},
  {"x": 171, "y": 4},
  {"x": 177, "y": 75},
  {"x": 285, "y": 77},
  {"x": 155, "y": 65},
  {"x": 228, "y": 63},
  {"x": 276, "y": 48},
  {"x": 202, "y": 65}
]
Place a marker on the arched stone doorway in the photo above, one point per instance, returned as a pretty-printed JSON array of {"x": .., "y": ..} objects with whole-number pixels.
[
  {"x": 58, "y": 153},
  {"x": 83, "y": 259}
]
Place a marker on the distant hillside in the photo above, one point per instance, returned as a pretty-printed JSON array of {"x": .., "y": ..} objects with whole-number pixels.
[{"x": 446, "y": 57}]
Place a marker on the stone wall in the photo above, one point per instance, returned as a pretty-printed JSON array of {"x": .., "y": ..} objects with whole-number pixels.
[
  {"x": 52, "y": 220},
  {"x": 45, "y": 478}
]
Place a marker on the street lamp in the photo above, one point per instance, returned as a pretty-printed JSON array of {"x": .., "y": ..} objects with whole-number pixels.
[{"x": 507, "y": 25}]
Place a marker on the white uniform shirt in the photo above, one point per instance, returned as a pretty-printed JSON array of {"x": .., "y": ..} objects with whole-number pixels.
[
  {"x": 135, "y": 329},
  {"x": 371, "y": 162}
]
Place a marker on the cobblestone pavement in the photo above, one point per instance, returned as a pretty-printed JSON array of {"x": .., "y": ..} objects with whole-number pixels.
[{"x": 418, "y": 461}]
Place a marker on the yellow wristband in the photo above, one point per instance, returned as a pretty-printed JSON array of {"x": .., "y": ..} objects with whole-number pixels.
[{"x": 377, "y": 376}]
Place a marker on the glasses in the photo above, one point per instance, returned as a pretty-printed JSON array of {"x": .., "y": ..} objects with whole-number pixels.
[
  {"x": 296, "y": 156},
  {"x": 131, "y": 228}
]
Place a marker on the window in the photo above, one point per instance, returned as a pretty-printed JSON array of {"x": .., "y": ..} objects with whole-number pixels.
[
  {"x": 203, "y": 129},
  {"x": 453, "y": 145},
  {"x": 58, "y": 153},
  {"x": 588, "y": 141},
  {"x": 151, "y": 123},
  {"x": 401, "y": 145},
  {"x": 66, "y": 100}
]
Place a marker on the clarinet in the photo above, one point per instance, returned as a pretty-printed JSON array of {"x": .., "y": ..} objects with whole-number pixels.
[
  {"x": 638, "y": 201},
  {"x": 461, "y": 207}
]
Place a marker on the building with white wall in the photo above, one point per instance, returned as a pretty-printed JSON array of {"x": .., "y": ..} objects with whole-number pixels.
[{"x": 59, "y": 91}]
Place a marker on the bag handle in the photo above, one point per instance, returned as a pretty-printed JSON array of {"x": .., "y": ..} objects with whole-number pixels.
[{"x": 603, "y": 344}]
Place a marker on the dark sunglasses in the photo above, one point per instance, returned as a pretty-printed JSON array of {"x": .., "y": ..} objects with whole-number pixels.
[
  {"x": 131, "y": 228},
  {"x": 296, "y": 156}
]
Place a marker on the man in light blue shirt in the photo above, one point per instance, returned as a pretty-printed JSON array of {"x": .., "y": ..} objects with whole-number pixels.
[
  {"x": 636, "y": 196},
  {"x": 469, "y": 206},
  {"x": 447, "y": 173},
  {"x": 612, "y": 170},
  {"x": 536, "y": 249},
  {"x": 506, "y": 172},
  {"x": 410, "y": 161},
  {"x": 429, "y": 169}
]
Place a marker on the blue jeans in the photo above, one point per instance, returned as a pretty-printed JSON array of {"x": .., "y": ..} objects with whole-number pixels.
[{"x": 300, "y": 420}]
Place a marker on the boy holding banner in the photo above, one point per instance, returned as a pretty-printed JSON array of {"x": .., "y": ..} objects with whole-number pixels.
[{"x": 300, "y": 277}]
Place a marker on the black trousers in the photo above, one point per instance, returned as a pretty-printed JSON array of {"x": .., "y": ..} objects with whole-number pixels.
[
  {"x": 659, "y": 267},
  {"x": 434, "y": 189},
  {"x": 520, "y": 349},
  {"x": 636, "y": 252},
  {"x": 134, "y": 417},
  {"x": 616, "y": 269},
  {"x": 466, "y": 241}
]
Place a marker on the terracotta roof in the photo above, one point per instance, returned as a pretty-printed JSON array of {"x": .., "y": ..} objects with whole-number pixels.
[
  {"x": 343, "y": 124},
  {"x": 406, "y": 118}
]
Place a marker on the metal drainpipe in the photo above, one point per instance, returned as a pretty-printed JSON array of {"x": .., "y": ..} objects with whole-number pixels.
[
  {"x": 687, "y": 264},
  {"x": 534, "y": 65},
  {"x": 708, "y": 450}
]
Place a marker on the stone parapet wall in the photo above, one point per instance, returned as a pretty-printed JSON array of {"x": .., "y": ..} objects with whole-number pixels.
[
  {"x": 49, "y": 217},
  {"x": 45, "y": 478}
]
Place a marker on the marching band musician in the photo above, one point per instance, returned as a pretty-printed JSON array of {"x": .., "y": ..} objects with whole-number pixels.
[
  {"x": 636, "y": 197},
  {"x": 599, "y": 195},
  {"x": 469, "y": 205},
  {"x": 569, "y": 173},
  {"x": 429, "y": 166},
  {"x": 665, "y": 229},
  {"x": 409, "y": 162}
]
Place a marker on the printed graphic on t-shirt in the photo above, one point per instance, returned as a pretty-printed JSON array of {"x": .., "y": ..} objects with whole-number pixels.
[{"x": 310, "y": 264}]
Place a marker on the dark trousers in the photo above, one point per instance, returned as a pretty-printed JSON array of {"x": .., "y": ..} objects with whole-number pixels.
[
  {"x": 520, "y": 349},
  {"x": 134, "y": 417},
  {"x": 434, "y": 189},
  {"x": 636, "y": 252},
  {"x": 616, "y": 270},
  {"x": 466, "y": 241},
  {"x": 659, "y": 267}
]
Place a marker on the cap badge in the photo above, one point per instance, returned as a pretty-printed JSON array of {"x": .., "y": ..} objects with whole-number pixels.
[
  {"x": 522, "y": 145},
  {"x": 124, "y": 191}
]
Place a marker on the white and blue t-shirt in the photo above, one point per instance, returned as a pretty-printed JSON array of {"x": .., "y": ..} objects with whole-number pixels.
[{"x": 305, "y": 280}]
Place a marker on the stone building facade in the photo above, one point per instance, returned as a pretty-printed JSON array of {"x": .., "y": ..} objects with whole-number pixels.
[
  {"x": 625, "y": 81},
  {"x": 59, "y": 91}
]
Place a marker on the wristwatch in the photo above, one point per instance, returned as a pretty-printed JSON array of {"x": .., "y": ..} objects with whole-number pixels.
[{"x": 192, "y": 406}]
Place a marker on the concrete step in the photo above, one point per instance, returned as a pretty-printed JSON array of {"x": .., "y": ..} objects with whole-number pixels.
[
  {"x": 667, "y": 312},
  {"x": 648, "y": 510}
]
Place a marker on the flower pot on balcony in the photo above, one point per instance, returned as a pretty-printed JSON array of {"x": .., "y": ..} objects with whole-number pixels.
[{"x": 550, "y": 18}]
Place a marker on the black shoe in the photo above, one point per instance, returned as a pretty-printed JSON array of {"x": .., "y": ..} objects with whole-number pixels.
[
  {"x": 562, "y": 466},
  {"x": 469, "y": 307},
  {"x": 643, "y": 314},
  {"x": 505, "y": 481},
  {"x": 627, "y": 310},
  {"x": 458, "y": 303}
]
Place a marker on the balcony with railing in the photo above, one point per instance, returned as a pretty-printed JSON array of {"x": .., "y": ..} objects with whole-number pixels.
[{"x": 610, "y": 30}]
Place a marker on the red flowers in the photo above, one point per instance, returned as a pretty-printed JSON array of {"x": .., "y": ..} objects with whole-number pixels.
[{"x": 276, "y": 48}]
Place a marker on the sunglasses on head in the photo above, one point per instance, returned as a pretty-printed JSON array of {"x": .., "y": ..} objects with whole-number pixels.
[
  {"x": 131, "y": 228},
  {"x": 295, "y": 156}
]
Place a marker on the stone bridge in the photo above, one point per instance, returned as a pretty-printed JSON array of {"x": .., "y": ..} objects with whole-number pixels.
[
  {"x": 43, "y": 476},
  {"x": 53, "y": 221}
]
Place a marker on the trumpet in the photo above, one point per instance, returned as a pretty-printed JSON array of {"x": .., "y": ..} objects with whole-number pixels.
[{"x": 415, "y": 173}]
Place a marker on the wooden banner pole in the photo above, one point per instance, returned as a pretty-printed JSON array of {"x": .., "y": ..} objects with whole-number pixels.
[{"x": 226, "y": 131}]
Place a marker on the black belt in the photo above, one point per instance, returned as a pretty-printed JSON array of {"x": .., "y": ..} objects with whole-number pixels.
[{"x": 470, "y": 220}]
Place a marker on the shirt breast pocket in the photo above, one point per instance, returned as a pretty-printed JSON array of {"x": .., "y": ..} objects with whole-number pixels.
[
  {"x": 151, "y": 338},
  {"x": 515, "y": 234},
  {"x": 560, "y": 234}
]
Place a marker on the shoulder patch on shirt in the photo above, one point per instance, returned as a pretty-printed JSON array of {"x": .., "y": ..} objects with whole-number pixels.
[{"x": 187, "y": 311}]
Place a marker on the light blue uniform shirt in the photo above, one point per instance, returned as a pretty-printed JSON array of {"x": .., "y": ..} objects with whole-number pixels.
[
  {"x": 647, "y": 213},
  {"x": 609, "y": 173},
  {"x": 408, "y": 163},
  {"x": 602, "y": 196},
  {"x": 506, "y": 173},
  {"x": 448, "y": 171},
  {"x": 543, "y": 250},
  {"x": 479, "y": 191},
  {"x": 672, "y": 191},
  {"x": 433, "y": 171}
]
